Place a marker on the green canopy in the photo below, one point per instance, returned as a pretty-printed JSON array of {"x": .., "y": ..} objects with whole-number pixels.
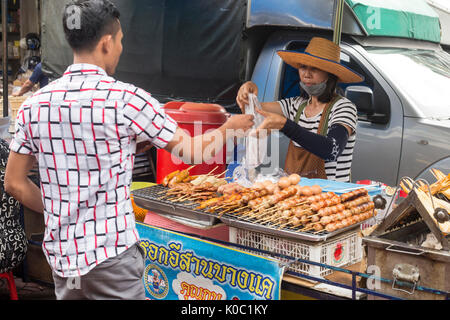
[{"x": 413, "y": 19}]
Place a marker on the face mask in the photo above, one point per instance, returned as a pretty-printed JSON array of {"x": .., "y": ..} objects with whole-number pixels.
[{"x": 314, "y": 90}]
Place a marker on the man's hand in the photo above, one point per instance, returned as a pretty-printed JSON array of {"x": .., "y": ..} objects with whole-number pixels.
[
  {"x": 241, "y": 121},
  {"x": 142, "y": 147}
]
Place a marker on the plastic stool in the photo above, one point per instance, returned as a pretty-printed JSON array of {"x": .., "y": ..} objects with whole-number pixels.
[{"x": 11, "y": 284}]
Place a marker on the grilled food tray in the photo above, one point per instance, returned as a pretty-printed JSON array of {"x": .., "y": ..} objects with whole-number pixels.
[{"x": 150, "y": 199}]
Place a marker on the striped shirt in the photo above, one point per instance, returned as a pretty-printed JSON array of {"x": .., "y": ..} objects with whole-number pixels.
[
  {"x": 83, "y": 129},
  {"x": 343, "y": 112}
]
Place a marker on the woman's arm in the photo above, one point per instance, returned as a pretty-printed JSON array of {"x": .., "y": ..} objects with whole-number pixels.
[{"x": 328, "y": 148}]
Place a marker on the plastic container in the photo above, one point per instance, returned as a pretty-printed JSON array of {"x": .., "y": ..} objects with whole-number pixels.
[
  {"x": 340, "y": 251},
  {"x": 196, "y": 119}
]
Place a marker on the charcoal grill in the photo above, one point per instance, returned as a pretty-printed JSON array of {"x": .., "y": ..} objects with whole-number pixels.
[
  {"x": 395, "y": 247},
  {"x": 150, "y": 198}
]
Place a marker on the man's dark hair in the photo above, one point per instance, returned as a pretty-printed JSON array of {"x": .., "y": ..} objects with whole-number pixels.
[
  {"x": 86, "y": 21},
  {"x": 330, "y": 90}
]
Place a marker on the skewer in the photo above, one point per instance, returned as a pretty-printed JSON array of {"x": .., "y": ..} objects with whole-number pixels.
[
  {"x": 267, "y": 218},
  {"x": 237, "y": 211},
  {"x": 257, "y": 213},
  {"x": 181, "y": 199},
  {"x": 212, "y": 171},
  {"x": 191, "y": 167},
  {"x": 242, "y": 213},
  {"x": 220, "y": 174},
  {"x": 252, "y": 215},
  {"x": 226, "y": 210},
  {"x": 305, "y": 229},
  {"x": 272, "y": 209},
  {"x": 284, "y": 225}
]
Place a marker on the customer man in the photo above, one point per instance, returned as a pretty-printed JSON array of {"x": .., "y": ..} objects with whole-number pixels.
[
  {"x": 83, "y": 129},
  {"x": 36, "y": 77}
]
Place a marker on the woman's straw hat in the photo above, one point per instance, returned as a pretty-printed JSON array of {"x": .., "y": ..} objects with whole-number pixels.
[{"x": 324, "y": 55}]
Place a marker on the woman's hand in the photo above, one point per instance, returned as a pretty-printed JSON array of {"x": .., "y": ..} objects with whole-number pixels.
[
  {"x": 242, "y": 96},
  {"x": 272, "y": 121}
]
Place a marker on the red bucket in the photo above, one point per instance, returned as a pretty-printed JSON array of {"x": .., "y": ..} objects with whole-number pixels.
[{"x": 196, "y": 119}]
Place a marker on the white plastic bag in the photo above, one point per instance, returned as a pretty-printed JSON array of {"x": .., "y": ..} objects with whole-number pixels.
[{"x": 255, "y": 147}]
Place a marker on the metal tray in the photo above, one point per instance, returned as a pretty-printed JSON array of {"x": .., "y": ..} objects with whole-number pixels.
[{"x": 149, "y": 198}]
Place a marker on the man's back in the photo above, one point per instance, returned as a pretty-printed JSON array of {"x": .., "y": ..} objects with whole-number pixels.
[{"x": 83, "y": 129}]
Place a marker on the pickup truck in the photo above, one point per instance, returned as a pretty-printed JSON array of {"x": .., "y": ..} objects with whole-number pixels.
[
  {"x": 203, "y": 52},
  {"x": 403, "y": 104}
]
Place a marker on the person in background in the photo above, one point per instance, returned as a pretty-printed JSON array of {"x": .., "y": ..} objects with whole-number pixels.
[
  {"x": 83, "y": 129},
  {"x": 37, "y": 77},
  {"x": 13, "y": 241}
]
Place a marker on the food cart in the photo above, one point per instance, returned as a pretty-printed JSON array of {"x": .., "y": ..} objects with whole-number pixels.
[
  {"x": 322, "y": 260},
  {"x": 261, "y": 229}
]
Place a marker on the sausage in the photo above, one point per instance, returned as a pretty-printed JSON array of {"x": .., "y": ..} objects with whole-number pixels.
[
  {"x": 295, "y": 222},
  {"x": 304, "y": 219},
  {"x": 325, "y": 220},
  {"x": 286, "y": 214},
  {"x": 318, "y": 227},
  {"x": 169, "y": 177},
  {"x": 341, "y": 216},
  {"x": 334, "y": 217},
  {"x": 347, "y": 213},
  {"x": 330, "y": 227},
  {"x": 298, "y": 212}
]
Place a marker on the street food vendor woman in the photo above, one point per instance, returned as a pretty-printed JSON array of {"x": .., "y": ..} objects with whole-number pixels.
[{"x": 320, "y": 123}]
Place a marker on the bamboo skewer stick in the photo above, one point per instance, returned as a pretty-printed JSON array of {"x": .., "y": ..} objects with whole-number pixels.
[
  {"x": 220, "y": 174},
  {"x": 265, "y": 218},
  {"x": 191, "y": 167},
  {"x": 306, "y": 229},
  {"x": 284, "y": 225},
  {"x": 212, "y": 171}
]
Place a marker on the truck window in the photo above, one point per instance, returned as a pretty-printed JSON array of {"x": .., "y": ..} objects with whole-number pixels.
[{"x": 381, "y": 104}]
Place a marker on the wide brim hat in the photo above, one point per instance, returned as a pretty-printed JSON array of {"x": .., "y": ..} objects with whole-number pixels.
[{"x": 322, "y": 54}]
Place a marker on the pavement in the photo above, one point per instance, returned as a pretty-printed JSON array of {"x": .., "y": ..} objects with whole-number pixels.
[{"x": 28, "y": 290}]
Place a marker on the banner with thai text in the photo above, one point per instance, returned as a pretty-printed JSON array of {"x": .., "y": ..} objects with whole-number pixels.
[{"x": 179, "y": 267}]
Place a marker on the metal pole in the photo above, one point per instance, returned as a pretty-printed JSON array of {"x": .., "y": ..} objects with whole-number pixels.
[
  {"x": 5, "y": 56},
  {"x": 338, "y": 17}
]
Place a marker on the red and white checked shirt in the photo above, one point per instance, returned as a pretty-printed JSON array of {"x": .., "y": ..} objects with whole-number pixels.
[{"x": 83, "y": 129}]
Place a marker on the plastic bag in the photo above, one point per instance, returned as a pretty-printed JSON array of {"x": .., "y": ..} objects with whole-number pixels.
[
  {"x": 246, "y": 177},
  {"x": 255, "y": 147}
]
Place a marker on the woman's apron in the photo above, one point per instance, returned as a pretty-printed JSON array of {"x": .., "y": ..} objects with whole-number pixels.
[{"x": 303, "y": 162}]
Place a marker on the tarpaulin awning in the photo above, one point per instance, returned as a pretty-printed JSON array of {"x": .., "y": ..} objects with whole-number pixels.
[
  {"x": 172, "y": 48},
  {"x": 413, "y": 19}
]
